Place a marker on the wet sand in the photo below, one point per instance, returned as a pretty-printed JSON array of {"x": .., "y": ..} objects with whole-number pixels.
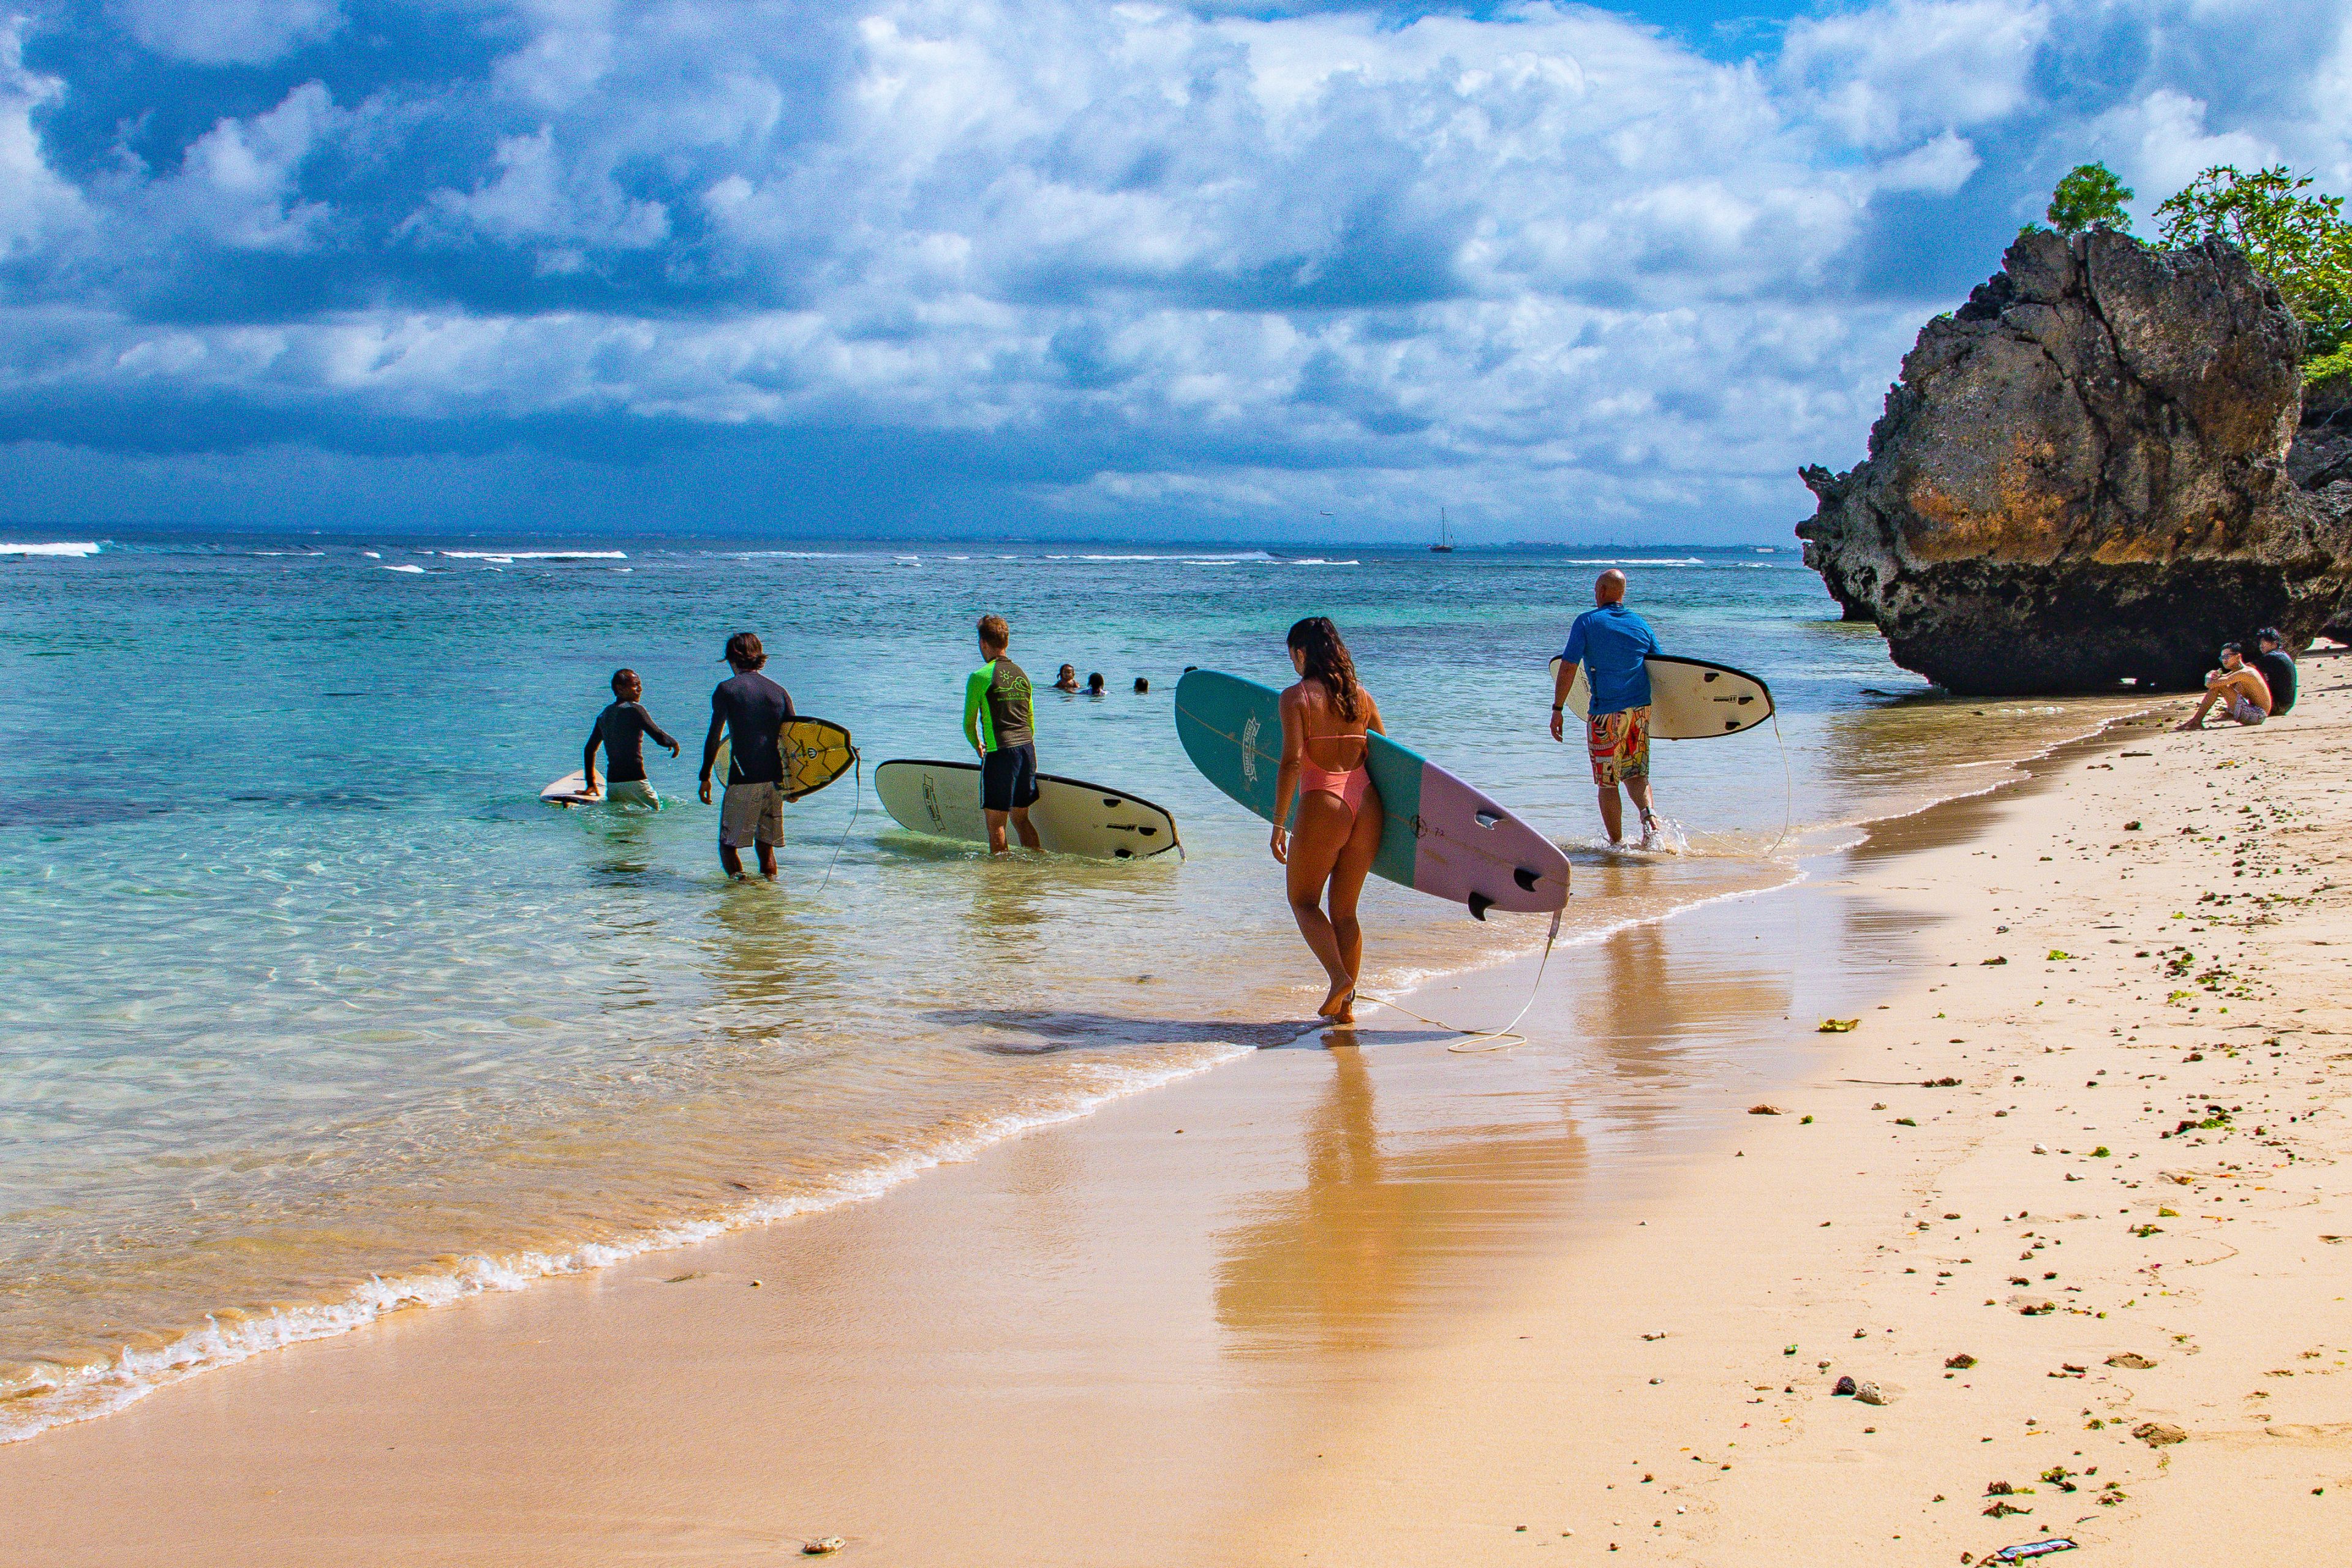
[{"x": 1388, "y": 1303}]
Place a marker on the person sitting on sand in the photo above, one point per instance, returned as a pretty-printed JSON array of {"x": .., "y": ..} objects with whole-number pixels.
[
  {"x": 2277, "y": 668},
  {"x": 751, "y": 710},
  {"x": 621, "y": 730},
  {"x": 2237, "y": 687},
  {"x": 1000, "y": 725},
  {"x": 1068, "y": 679},
  {"x": 1612, "y": 642},
  {"x": 1324, "y": 719}
]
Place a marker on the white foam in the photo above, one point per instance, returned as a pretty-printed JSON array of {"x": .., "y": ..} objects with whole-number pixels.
[
  {"x": 68, "y": 552},
  {"x": 83, "y": 1393},
  {"x": 509, "y": 557},
  {"x": 405, "y": 567},
  {"x": 1634, "y": 561}
]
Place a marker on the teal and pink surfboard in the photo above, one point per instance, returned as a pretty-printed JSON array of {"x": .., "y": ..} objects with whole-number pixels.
[{"x": 1439, "y": 835}]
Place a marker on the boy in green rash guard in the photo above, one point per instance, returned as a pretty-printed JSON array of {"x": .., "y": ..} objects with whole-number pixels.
[{"x": 998, "y": 723}]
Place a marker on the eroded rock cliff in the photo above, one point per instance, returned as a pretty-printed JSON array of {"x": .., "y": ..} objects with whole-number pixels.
[{"x": 2082, "y": 478}]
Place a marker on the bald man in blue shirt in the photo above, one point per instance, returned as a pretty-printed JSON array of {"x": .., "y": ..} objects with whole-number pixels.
[{"x": 1612, "y": 642}]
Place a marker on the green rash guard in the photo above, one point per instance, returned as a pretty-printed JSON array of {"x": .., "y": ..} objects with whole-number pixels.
[{"x": 998, "y": 693}]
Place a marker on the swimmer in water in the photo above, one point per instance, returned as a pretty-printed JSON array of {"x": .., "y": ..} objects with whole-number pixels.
[
  {"x": 1068, "y": 679},
  {"x": 1324, "y": 719},
  {"x": 621, "y": 729}
]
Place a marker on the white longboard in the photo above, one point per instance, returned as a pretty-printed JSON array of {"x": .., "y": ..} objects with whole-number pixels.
[
  {"x": 572, "y": 789},
  {"x": 1690, "y": 699},
  {"x": 1072, "y": 816}
]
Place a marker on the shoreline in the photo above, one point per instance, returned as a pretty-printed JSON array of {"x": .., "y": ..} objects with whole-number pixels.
[
  {"x": 232, "y": 1337},
  {"x": 455, "y": 1381}
]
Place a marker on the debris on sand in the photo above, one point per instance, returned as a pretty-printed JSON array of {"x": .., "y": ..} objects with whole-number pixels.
[
  {"x": 2158, "y": 1434},
  {"x": 825, "y": 1546},
  {"x": 1765, "y": 1111},
  {"x": 1838, "y": 1026},
  {"x": 2131, "y": 1361},
  {"x": 2030, "y": 1550},
  {"x": 1961, "y": 1362}
]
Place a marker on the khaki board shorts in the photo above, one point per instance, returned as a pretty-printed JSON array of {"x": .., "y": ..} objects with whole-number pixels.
[
  {"x": 751, "y": 813},
  {"x": 1619, "y": 745}
]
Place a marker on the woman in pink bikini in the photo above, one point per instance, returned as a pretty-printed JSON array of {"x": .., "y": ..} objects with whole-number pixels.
[{"x": 1324, "y": 719}]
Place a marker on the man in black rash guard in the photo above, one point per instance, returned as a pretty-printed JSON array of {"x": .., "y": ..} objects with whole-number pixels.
[
  {"x": 751, "y": 710},
  {"x": 621, "y": 730},
  {"x": 2277, "y": 666}
]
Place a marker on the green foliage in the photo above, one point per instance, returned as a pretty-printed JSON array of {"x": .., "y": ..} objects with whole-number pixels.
[
  {"x": 2336, "y": 366},
  {"x": 2090, "y": 194},
  {"x": 2300, "y": 242}
]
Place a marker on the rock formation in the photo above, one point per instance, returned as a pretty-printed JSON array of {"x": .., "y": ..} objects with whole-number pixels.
[{"x": 2082, "y": 478}]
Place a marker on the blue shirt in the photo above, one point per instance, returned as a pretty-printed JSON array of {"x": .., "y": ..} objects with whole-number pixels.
[{"x": 1610, "y": 643}]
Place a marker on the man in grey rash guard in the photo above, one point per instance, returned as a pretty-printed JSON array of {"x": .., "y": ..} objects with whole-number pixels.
[
  {"x": 621, "y": 730},
  {"x": 751, "y": 710}
]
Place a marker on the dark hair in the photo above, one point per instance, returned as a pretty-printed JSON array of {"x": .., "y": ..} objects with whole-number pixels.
[
  {"x": 2269, "y": 634},
  {"x": 1094, "y": 682},
  {"x": 1328, "y": 661},
  {"x": 1141, "y": 684},
  {"x": 2238, "y": 648},
  {"x": 743, "y": 651},
  {"x": 619, "y": 676},
  {"x": 994, "y": 632}
]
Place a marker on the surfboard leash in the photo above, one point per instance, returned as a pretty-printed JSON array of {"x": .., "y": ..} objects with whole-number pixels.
[
  {"x": 856, "y": 798},
  {"x": 1501, "y": 1039},
  {"x": 1787, "y": 786}
]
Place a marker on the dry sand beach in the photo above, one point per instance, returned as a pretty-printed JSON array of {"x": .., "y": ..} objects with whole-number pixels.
[{"x": 2071, "y": 1195}]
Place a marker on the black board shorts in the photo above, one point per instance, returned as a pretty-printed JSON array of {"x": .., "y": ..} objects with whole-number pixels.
[{"x": 1008, "y": 779}]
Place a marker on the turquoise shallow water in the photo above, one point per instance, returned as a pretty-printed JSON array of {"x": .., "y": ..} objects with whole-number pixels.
[{"x": 312, "y": 1008}]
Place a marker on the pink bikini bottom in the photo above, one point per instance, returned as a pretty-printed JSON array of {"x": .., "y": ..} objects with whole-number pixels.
[{"x": 1346, "y": 787}]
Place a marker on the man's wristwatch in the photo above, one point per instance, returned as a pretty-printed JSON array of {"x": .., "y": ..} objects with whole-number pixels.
[{"x": 1557, "y": 706}]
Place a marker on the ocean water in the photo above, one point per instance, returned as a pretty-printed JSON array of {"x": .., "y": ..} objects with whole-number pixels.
[{"x": 309, "y": 1008}]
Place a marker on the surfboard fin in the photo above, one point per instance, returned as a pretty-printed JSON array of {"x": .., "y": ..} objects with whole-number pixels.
[
  {"x": 1479, "y": 904},
  {"x": 1525, "y": 879}
]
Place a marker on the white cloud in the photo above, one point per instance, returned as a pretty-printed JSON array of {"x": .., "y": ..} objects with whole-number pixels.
[
  {"x": 1546, "y": 259},
  {"x": 228, "y": 32},
  {"x": 534, "y": 198},
  {"x": 1894, "y": 72},
  {"x": 34, "y": 202},
  {"x": 239, "y": 183}
]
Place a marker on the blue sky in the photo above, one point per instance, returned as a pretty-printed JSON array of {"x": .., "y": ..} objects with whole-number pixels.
[{"x": 929, "y": 267}]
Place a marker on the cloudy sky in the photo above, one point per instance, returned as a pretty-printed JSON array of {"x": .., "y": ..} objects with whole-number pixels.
[{"x": 1050, "y": 268}]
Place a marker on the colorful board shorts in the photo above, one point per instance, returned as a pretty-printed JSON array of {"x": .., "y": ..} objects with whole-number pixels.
[
  {"x": 2242, "y": 708},
  {"x": 1620, "y": 745},
  {"x": 751, "y": 813}
]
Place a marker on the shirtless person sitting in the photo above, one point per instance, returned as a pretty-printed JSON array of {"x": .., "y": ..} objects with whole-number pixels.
[{"x": 2237, "y": 687}]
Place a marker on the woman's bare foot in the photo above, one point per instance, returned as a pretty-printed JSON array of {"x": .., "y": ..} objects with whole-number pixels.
[{"x": 1339, "y": 1007}]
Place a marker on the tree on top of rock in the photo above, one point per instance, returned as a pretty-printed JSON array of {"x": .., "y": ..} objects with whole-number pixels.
[
  {"x": 2089, "y": 194},
  {"x": 2300, "y": 242}
]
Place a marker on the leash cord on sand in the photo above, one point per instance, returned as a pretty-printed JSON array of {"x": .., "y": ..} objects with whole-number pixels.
[
  {"x": 1500, "y": 1040},
  {"x": 857, "y": 798}
]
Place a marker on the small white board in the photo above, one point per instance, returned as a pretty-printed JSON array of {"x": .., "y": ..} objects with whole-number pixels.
[
  {"x": 572, "y": 789},
  {"x": 1690, "y": 699},
  {"x": 1072, "y": 816}
]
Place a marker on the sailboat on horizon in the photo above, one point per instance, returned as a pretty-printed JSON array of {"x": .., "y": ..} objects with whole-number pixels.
[{"x": 1445, "y": 546}]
